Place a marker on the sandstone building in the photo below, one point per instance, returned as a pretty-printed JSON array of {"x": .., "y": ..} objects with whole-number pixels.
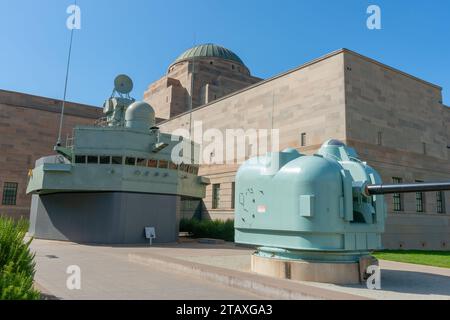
[
  {"x": 397, "y": 123},
  {"x": 28, "y": 131},
  {"x": 199, "y": 76}
]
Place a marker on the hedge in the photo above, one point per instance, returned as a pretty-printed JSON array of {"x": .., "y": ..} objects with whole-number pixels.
[
  {"x": 215, "y": 229},
  {"x": 17, "y": 266}
]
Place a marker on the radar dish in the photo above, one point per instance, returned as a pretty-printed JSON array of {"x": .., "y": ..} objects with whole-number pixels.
[{"x": 123, "y": 84}]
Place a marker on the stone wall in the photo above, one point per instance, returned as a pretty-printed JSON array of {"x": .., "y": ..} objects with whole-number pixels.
[
  {"x": 396, "y": 122},
  {"x": 309, "y": 99},
  {"x": 399, "y": 125},
  {"x": 28, "y": 131},
  {"x": 208, "y": 78},
  {"x": 169, "y": 96}
]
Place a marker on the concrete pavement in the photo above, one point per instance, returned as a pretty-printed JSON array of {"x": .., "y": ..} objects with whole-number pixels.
[
  {"x": 404, "y": 281},
  {"x": 399, "y": 281},
  {"x": 190, "y": 270},
  {"x": 107, "y": 274}
]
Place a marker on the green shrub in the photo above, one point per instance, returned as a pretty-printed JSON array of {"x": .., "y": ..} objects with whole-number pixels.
[
  {"x": 186, "y": 225},
  {"x": 216, "y": 229},
  {"x": 16, "y": 261}
]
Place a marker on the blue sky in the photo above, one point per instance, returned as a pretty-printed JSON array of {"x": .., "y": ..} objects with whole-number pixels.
[{"x": 142, "y": 37}]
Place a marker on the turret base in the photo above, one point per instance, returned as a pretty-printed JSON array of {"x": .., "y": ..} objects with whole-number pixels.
[
  {"x": 343, "y": 273},
  {"x": 104, "y": 218}
]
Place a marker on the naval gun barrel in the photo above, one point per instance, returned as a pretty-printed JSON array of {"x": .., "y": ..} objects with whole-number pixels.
[{"x": 407, "y": 187}]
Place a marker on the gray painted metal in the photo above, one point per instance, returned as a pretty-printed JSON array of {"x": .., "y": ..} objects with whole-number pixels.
[
  {"x": 104, "y": 218},
  {"x": 115, "y": 178},
  {"x": 408, "y": 187}
]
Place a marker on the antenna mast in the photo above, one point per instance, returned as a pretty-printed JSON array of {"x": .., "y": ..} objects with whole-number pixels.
[{"x": 58, "y": 143}]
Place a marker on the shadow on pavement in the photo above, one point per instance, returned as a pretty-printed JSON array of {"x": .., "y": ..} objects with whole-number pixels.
[{"x": 415, "y": 282}]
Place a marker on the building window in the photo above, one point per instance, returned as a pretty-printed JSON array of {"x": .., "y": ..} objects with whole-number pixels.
[
  {"x": 380, "y": 138},
  {"x": 233, "y": 194},
  {"x": 105, "y": 159},
  {"x": 215, "y": 195},
  {"x": 152, "y": 163},
  {"x": 10, "y": 193},
  {"x": 163, "y": 164},
  {"x": 92, "y": 159},
  {"x": 117, "y": 160},
  {"x": 173, "y": 166},
  {"x": 303, "y": 139},
  {"x": 141, "y": 162},
  {"x": 420, "y": 200},
  {"x": 440, "y": 202},
  {"x": 129, "y": 161},
  {"x": 397, "y": 197},
  {"x": 80, "y": 159}
]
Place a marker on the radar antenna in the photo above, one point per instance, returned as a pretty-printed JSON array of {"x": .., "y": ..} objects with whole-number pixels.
[{"x": 123, "y": 85}]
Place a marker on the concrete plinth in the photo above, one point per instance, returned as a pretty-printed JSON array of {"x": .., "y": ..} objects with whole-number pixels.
[
  {"x": 104, "y": 218},
  {"x": 327, "y": 272}
]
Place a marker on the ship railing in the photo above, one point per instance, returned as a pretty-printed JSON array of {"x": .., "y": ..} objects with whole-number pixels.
[
  {"x": 102, "y": 122},
  {"x": 59, "y": 159},
  {"x": 70, "y": 142}
]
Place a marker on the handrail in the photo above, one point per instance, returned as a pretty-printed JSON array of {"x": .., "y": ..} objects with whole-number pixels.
[{"x": 102, "y": 122}]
